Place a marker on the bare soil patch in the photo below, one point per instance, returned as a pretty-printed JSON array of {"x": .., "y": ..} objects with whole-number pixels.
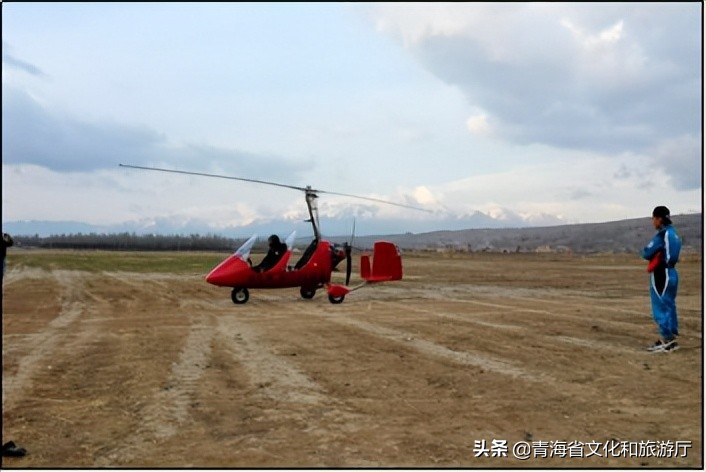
[{"x": 142, "y": 368}]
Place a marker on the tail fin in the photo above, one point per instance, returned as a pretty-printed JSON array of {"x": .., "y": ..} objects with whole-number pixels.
[
  {"x": 365, "y": 267},
  {"x": 387, "y": 263}
]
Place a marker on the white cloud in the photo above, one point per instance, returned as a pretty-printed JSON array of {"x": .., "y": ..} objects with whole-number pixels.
[
  {"x": 478, "y": 125},
  {"x": 423, "y": 196},
  {"x": 594, "y": 41},
  {"x": 583, "y": 191}
]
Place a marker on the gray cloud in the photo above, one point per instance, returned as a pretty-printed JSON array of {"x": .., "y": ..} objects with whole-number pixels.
[
  {"x": 623, "y": 173},
  {"x": 579, "y": 194},
  {"x": 680, "y": 160},
  {"x": 545, "y": 103},
  {"x": 34, "y": 135},
  {"x": 610, "y": 78}
]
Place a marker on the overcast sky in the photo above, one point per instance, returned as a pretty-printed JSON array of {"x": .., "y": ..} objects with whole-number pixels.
[{"x": 530, "y": 113}]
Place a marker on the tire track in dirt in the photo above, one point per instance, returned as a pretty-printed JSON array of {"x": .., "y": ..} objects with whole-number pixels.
[
  {"x": 41, "y": 346},
  {"x": 463, "y": 358},
  {"x": 169, "y": 408},
  {"x": 280, "y": 392},
  {"x": 15, "y": 275},
  {"x": 271, "y": 375},
  {"x": 461, "y": 293},
  {"x": 517, "y": 309},
  {"x": 589, "y": 344},
  {"x": 137, "y": 280},
  {"x": 627, "y": 326},
  {"x": 575, "y": 303},
  {"x": 517, "y": 294},
  {"x": 498, "y": 365}
]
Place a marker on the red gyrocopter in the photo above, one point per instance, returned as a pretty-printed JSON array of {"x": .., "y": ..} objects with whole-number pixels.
[{"x": 313, "y": 270}]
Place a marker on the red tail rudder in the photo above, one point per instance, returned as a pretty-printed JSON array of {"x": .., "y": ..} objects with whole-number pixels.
[
  {"x": 387, "y": 263},
  {"x": 365, "y": 267}
]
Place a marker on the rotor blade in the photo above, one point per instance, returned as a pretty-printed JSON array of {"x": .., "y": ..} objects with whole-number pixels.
[
  {"x": 303, "y": 189},
  {"x": 294, "y": 187},
  {"x": 378, "y": 200}
]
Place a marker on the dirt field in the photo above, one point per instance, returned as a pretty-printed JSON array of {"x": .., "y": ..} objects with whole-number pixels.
[{"x": 145, "y": 367}]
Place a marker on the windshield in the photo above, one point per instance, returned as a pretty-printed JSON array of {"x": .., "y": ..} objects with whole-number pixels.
[
  {"x": 243, "y": 251},
  {"x": 290, "y": 240}
]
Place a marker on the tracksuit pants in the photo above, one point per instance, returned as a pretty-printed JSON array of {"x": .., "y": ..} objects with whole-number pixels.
[{"x": 663, "y": 293}]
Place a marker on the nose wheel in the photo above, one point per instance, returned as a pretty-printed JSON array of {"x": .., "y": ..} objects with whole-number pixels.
[{"x": 239, "y": 295}]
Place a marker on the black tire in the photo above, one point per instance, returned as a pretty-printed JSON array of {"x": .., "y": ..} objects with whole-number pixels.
[
  {"x": 307, "y": 293},
  {"x": 336, "y": 300},
  {"x": 239, "y": 295}
]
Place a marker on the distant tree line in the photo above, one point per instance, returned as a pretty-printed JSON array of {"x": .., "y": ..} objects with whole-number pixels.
[{"x": 130, "y": 242}]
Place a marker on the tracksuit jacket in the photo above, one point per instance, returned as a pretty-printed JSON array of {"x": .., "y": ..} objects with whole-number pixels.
[{"x": 664, "y": 280}]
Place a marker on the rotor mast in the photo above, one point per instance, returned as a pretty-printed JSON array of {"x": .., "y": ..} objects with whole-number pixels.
[{"x": 311, "y": 205}]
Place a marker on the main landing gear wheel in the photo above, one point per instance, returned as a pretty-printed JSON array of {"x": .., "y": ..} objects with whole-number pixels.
[
  {"x": 240, "y": 295},
  {"x": 307, "y": 293},
  {"x": 336, "y": 300}
]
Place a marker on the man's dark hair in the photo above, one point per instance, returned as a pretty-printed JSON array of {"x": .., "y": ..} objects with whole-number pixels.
[{"x": 662, "y": 212}]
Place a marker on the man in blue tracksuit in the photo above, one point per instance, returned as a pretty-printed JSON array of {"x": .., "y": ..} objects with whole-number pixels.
[{"x": 663, "y": 251}]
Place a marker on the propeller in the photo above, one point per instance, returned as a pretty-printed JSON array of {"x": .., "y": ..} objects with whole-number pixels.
[
  {"x": 348, "y": 248},
  {"x": 348, "y": 263},
  {"x": 344, "y": 251}
]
